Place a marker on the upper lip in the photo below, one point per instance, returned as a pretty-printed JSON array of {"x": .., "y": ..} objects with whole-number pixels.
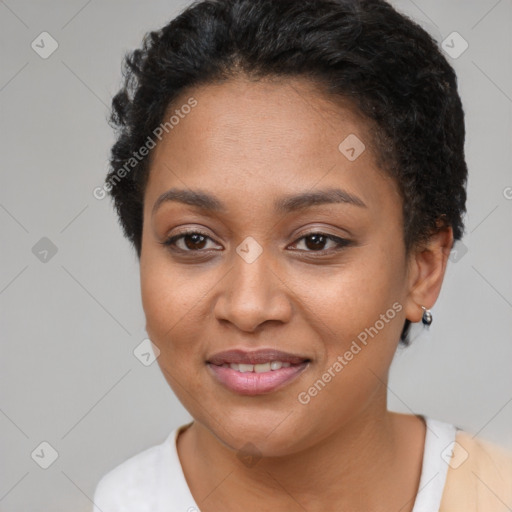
[{"x": 260, "y": 356}]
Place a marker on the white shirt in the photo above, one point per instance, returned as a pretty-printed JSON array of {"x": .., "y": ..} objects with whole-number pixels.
[{"x": 153, "y": 480}]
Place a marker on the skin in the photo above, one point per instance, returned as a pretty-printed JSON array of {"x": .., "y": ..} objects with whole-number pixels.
[{"x": 250, "y": 143}]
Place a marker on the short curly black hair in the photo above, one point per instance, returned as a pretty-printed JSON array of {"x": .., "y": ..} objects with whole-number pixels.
[{"x": 388, "y": 67}]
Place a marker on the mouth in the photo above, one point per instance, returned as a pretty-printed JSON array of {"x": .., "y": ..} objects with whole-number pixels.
[{"x": 258, "y": 372}]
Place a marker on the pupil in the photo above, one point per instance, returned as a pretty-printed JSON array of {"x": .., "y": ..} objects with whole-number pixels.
[
  {"x": 319, "y": 241},
  {"x": 197, "y": 239}
]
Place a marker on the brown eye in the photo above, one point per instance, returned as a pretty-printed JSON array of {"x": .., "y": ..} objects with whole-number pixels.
[
  {"x": 196, "y": 241},
  {"x": 316, "y": 242},
  {"x": 192, "y": 241}
]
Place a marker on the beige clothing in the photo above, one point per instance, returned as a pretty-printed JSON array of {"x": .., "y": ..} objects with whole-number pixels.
[{"x": 479, "y": 477}]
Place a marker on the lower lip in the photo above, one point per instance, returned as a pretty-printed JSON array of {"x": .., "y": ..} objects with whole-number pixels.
[{"x": 251, "y": 383}]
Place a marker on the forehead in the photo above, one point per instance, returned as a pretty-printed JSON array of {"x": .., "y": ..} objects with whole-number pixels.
[
  {"x": 253, "y": 140},
  {"x": 286, "y": 116}
]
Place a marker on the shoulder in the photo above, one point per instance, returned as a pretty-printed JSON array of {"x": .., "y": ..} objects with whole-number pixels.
[
  {"x": 132, "y": 484},
  {"x": 479, "y": 476}
]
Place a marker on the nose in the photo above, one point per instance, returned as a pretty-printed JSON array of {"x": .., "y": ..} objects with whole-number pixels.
[{"x": 254, "y": 293}]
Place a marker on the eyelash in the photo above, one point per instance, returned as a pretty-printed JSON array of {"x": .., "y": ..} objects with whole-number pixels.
[{"x": 341, "y": 242}]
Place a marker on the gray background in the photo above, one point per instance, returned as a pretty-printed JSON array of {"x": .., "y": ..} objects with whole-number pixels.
[{"x": 70, "y": 324}]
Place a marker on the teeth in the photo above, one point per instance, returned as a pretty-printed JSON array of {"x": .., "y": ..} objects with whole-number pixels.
[
  {"x": 260, "y": 368},
  {"x": 257, "y": 368}
]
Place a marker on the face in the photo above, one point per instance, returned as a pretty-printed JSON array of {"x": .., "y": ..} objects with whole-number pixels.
[{"x": 320, "y": 278}]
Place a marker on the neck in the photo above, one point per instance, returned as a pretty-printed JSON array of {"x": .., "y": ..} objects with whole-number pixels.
[{"x": 359, "y": 466}]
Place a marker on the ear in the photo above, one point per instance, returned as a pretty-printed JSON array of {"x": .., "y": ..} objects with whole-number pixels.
[{"x": 427, "y": 265}]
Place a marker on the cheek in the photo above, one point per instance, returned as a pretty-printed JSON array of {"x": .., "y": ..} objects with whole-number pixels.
[
  {"x": 360, "y": 316},
  {"x": 359, "y": 342},
  {"x": 352, "y": 297},
  {"x": 169, "y": 299},
  {"x": 170, "y": 304},
  {"x": 167, "y": 290}
]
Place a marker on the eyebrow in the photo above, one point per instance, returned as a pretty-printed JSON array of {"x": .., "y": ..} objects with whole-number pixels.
[{"x": 284, "y": 204}]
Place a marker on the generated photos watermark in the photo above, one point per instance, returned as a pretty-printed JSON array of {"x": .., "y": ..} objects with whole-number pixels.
[
  {"x": 139, "y": 155},
  {"x": 304, "y": 397}
]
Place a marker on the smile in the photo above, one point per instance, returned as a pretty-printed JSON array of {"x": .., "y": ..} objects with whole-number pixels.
[
  {"x": 256, "y": 372},
  {"x": 257, "y": 368}
]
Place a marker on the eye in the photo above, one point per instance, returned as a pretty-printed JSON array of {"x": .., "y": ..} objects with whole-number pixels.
[
  {"x": 315, "y": 241},
  {"x": 193, "y": 241}
]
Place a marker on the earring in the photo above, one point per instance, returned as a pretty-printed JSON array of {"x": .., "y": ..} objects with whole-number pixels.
[{"x": 427, "y": 316}]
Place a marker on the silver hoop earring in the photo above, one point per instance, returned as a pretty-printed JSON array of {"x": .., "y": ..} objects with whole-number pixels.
[{"x": 427, "y": 316}]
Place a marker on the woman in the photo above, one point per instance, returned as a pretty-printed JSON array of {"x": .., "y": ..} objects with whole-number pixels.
[{"x": 292, "y": 178}]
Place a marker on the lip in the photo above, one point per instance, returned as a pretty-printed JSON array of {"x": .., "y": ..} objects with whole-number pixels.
[
  {"x": 260, "y": 356},
  {"x": 252, "y": 383}
]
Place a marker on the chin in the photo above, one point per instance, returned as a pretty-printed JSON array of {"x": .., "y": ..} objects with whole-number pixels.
[{"x": 267, "y": 436}]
